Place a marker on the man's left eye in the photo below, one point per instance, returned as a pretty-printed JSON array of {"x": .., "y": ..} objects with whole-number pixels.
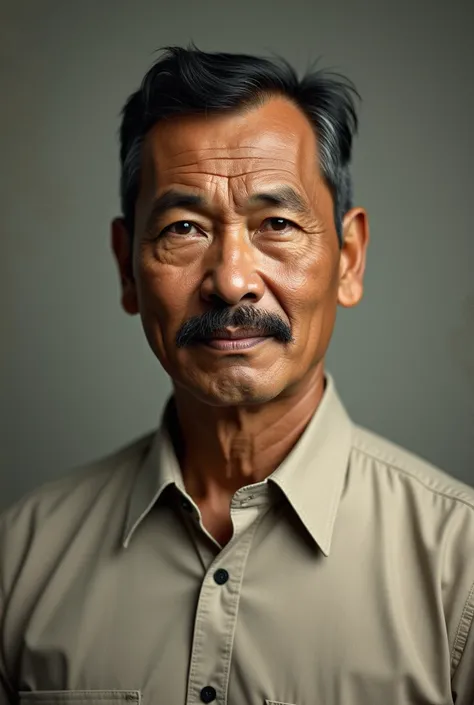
[{"x": 277, "y": 224}]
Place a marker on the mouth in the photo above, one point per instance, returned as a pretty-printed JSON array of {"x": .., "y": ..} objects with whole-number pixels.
[{"x": 235, "y": 339}]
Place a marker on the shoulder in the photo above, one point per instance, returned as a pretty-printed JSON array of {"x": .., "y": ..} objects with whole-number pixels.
[
  {"x": 430, "y": 515},
  {"x": 393, "y": 462},
  {"x": 83, "y": 481},
  {"x": 58, "y": 508}
]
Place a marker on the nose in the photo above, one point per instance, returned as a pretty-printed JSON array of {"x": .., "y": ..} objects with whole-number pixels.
[{"x": 231, "y": 273}]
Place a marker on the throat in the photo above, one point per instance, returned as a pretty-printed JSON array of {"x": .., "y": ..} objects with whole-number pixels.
[
  {"x": 222, "y": 449},
  {"x": 218, "y": 524}
]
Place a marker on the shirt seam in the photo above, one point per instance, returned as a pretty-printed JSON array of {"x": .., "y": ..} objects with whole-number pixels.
[
  {"x": 462, "y": 631},
  {"x": 405, "y": 471},
  {"x": 467, "y": 616},
  {"x": 5, "y": 677}
]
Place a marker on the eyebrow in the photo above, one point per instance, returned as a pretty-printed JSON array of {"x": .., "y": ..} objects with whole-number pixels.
[
  {"x": 283, "y": 197},
  {"x": 174, "y": 199}
]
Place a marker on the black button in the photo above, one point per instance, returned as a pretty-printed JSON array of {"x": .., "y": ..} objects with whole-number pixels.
[
  {"x": 186, "y": 505},
  {"x": 208, "y": 694},
  {"x": 221, "y": 576}
]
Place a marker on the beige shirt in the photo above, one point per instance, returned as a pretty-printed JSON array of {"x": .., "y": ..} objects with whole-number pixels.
[{"x": 349, "y": 580}]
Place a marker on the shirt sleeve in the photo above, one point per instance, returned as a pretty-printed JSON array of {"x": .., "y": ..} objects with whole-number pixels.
[
  {"x": 5, "y": 697},
  {"x": 6, "y": 689},
  {"x": 463, "y": 656}
]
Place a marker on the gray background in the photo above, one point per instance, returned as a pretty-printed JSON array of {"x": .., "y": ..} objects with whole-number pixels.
[{"x": 78, "y": 379}]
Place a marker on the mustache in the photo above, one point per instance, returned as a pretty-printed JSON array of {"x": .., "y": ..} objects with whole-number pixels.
[{"x": 204, "y": 327}]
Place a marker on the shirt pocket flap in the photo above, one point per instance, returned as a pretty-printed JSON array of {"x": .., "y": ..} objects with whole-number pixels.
[
  {"x": 80, "y": 697},
  {"x": 276, "y": 702}
]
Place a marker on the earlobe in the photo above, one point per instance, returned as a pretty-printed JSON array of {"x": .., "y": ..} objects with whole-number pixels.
[
  {"x": 353, "y": 257},
  {"x": 349, "y": 293},
  {"x": 123, "y": 252}
]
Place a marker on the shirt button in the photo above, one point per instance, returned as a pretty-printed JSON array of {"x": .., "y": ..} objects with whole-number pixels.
[
  {"x": 186, "y": 505},
  {"x": 208, "y": 694},
  {"x": 221, "y": 576}
]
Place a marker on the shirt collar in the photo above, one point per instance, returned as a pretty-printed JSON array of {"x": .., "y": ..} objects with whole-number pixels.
[
  {"x": 311, "y": 477},
  {"x": 159, "y": 470}
]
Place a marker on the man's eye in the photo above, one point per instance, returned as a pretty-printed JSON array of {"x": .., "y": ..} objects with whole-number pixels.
[
  {"x": 277, "y": 225},
  {"x": 182, "y": 227}
]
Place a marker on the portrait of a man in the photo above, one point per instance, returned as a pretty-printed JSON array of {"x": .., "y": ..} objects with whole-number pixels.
[{"x": 259, "y": 546}]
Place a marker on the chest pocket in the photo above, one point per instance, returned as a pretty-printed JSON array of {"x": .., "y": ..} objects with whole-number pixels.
[{"x": 80, "y": 697}]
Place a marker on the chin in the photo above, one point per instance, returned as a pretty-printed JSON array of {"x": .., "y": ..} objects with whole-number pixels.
[{"x": 233, "y": 389}]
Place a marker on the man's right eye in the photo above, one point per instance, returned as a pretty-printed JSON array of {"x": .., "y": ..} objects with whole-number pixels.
[{"x": 181, "y": 227}]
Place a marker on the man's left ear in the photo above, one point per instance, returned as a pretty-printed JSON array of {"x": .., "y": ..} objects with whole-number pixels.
[{"x": 355, "y": 228}]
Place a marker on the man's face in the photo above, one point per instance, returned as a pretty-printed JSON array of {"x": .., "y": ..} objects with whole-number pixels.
[{"x": 233, "y": 213}]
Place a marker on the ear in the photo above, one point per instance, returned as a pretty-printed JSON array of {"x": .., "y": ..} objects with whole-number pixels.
[
  {"x": 355, "y": 230},
  {"x": 122, "y": 247}
]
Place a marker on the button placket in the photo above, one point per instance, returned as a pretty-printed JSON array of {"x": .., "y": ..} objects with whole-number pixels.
[{"x": 214, "y": 625}]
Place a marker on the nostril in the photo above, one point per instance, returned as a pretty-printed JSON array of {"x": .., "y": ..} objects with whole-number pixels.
[
  {"x": 217, "y": 301},
  {"x": 221, "y": 302}
]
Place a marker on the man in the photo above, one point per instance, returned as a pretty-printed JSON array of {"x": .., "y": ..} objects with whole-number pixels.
[{"x": 259, "y": 547}]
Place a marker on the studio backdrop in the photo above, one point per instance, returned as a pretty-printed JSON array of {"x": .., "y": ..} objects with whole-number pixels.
[{"x": 78, "y": 378}]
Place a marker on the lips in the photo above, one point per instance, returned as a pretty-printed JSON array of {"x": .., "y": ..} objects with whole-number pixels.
[
  {"x": 236, "y": 334},
  {"x": 231, "y": 339}
]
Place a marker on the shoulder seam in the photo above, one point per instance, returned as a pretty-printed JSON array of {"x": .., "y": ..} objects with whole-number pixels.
[{"x": 394, "y": 466}]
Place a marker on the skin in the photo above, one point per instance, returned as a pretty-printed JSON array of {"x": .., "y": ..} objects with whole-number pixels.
[{"x": 239, "y": 412}]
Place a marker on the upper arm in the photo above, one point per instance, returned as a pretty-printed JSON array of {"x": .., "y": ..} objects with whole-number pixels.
[
  {"x": 463, "y": 655},
  {"x": 6, "y": 687},
  {"x": 6, "y": 697}
]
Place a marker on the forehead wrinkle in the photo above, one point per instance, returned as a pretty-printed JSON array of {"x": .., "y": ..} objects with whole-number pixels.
[
  {"x": 236, "y": 159},
  {"x": 277, "y": 131},
  {"x": 201, "y": 154},
  {"x": 224, "y": 166},
  {"x": 188, "y": 172},
  {"x": 249, "y": 150}
]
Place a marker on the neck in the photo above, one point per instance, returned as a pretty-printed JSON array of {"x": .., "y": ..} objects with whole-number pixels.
[{"x": 222, "y": 449}]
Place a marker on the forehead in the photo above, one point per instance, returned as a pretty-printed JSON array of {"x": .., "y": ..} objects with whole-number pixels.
[{"x": 270, "y": 142}]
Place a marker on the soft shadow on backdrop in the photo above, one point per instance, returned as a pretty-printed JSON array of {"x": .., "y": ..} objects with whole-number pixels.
[{"x": 78, "y": 379}]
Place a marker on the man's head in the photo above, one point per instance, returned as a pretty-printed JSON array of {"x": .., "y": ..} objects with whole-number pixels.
[{"x": 237, "y": 218}]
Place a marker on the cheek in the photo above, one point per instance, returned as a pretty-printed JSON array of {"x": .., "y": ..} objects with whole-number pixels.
[
  {"x": 164, "y": 296},
  {"x": 310, "y": 283}
]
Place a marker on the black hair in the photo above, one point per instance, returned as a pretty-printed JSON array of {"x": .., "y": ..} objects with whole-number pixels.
[{"x": 189, "y": 81}]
